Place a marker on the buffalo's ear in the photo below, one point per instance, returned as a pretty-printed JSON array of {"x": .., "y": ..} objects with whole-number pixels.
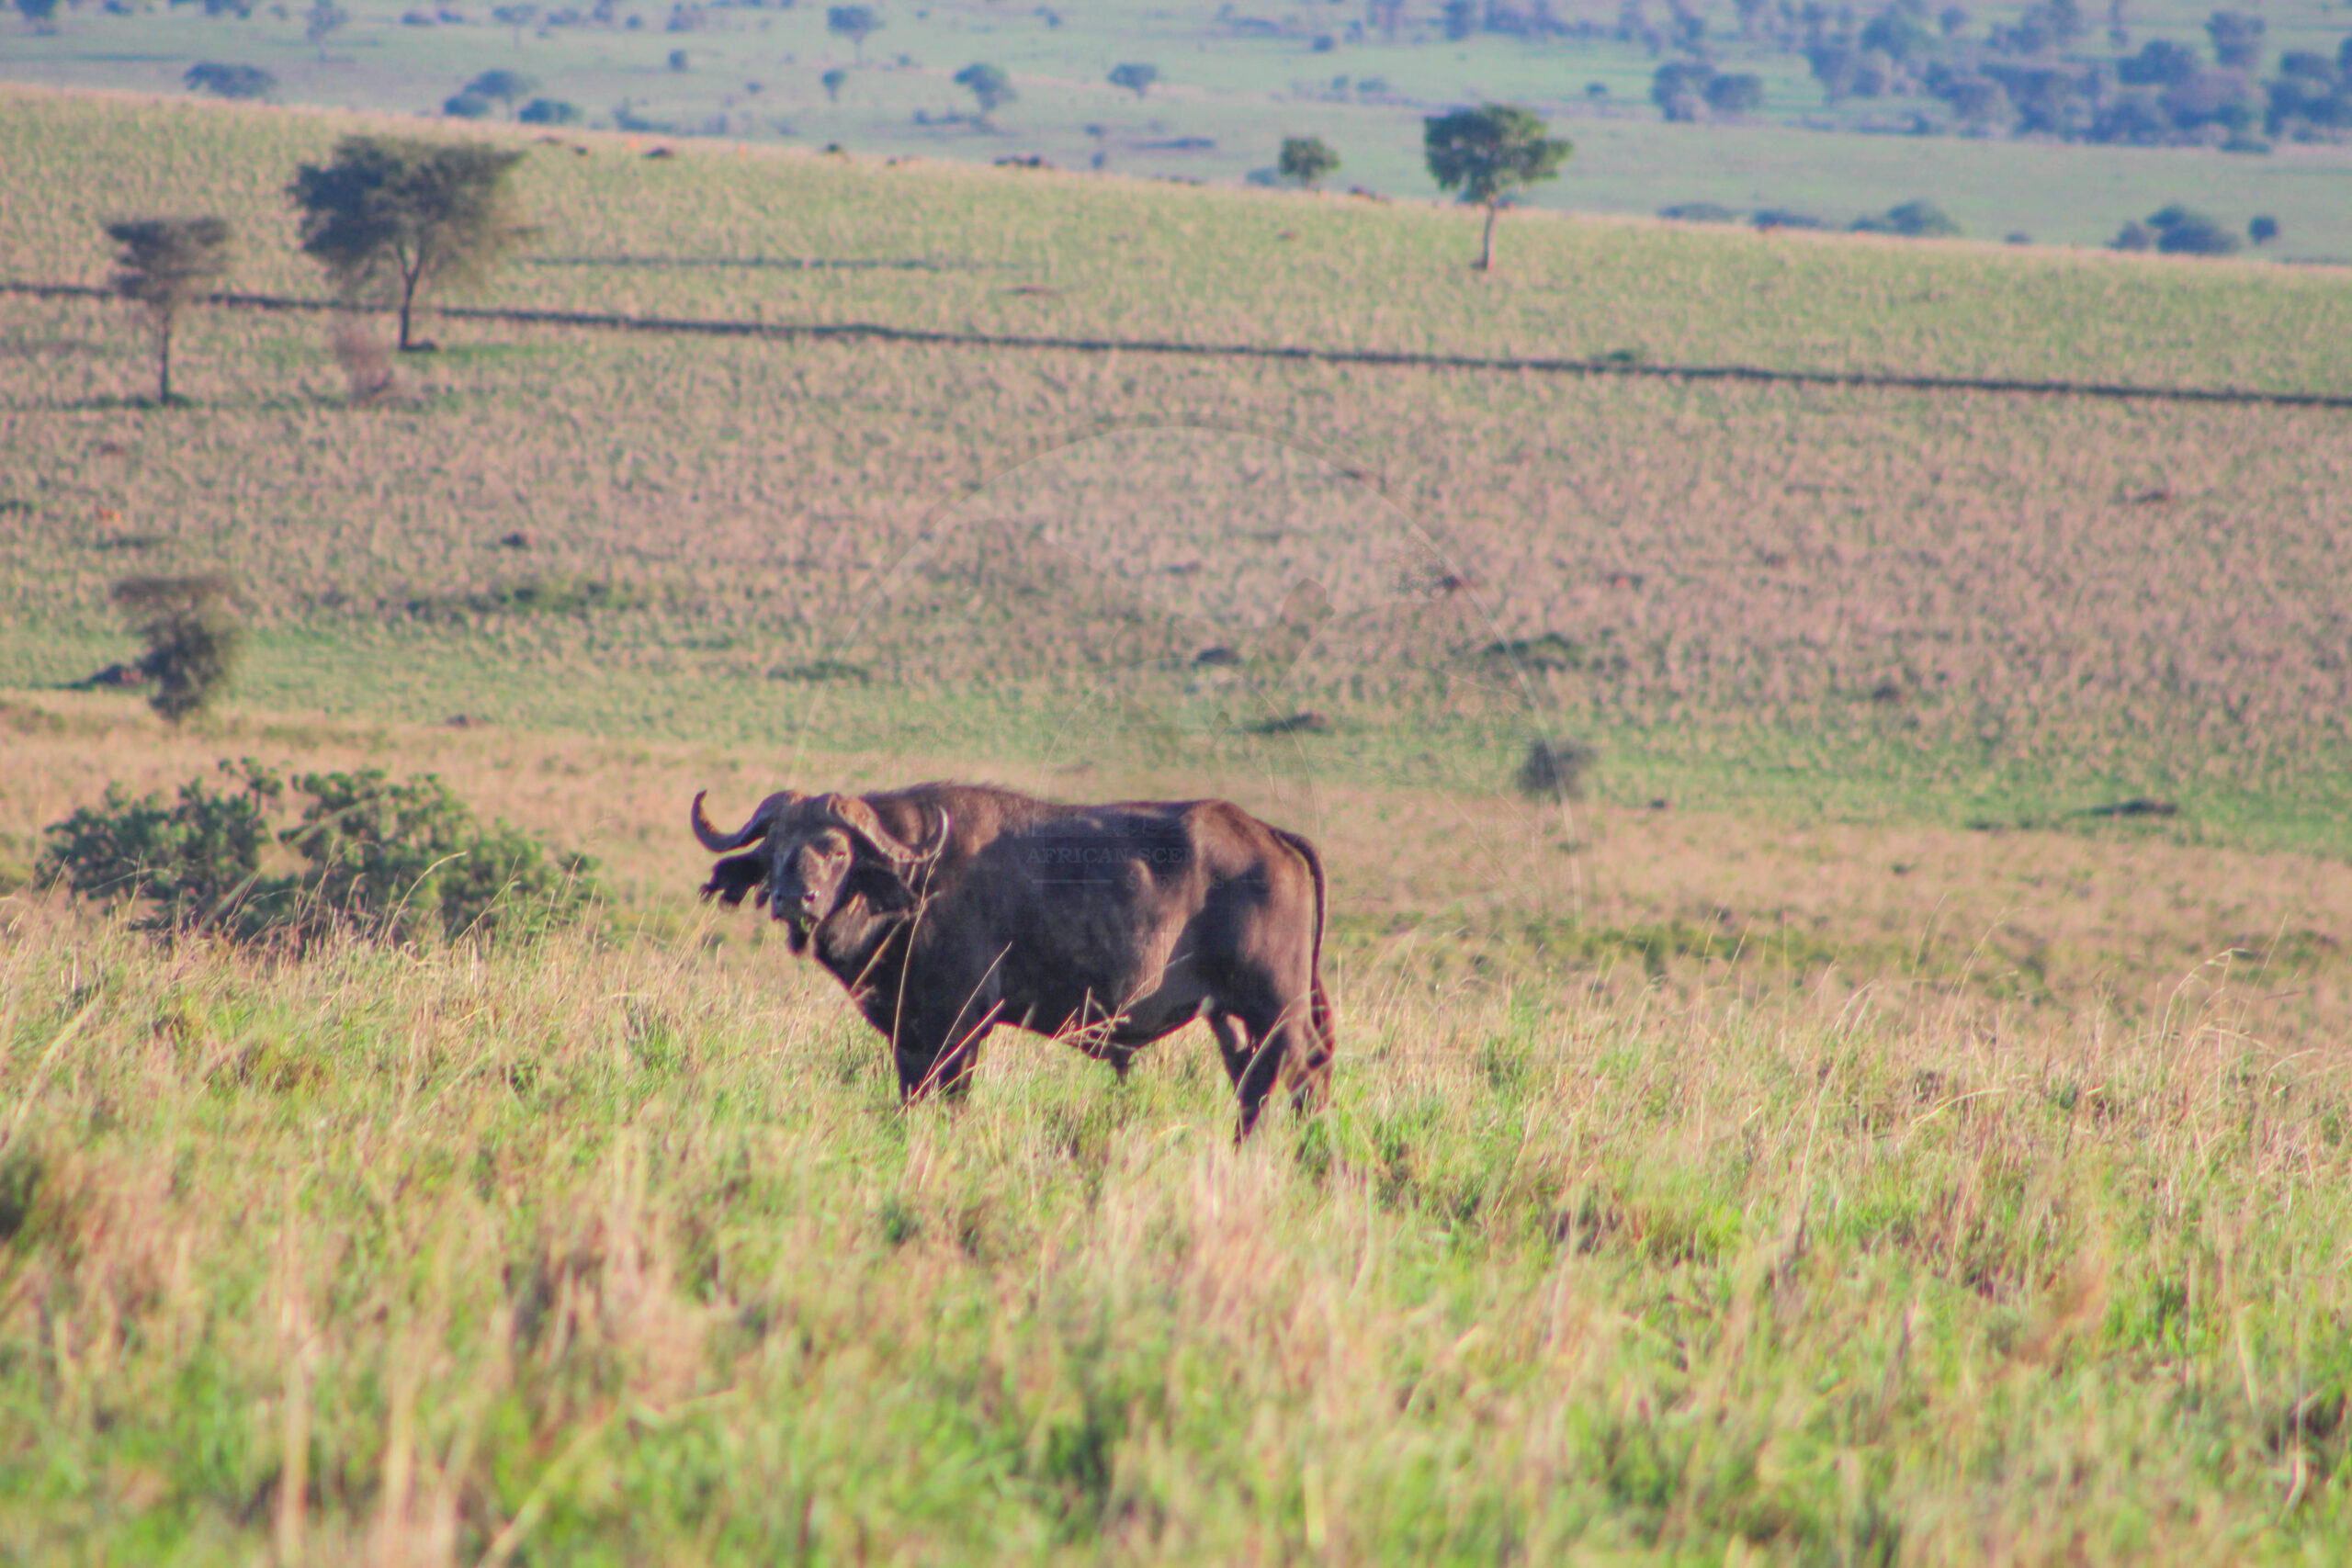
[{"x": 735, "y": 876}]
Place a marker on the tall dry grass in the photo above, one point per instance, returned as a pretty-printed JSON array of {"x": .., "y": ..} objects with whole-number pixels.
[{"x": 592, "y": 1252}]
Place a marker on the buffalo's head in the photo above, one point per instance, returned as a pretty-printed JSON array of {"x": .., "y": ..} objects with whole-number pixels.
[{"x": 816, "y": 852}]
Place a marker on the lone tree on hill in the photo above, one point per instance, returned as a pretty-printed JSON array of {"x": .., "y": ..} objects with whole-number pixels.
[
  {"x": 230, "y": 81},
  {"x": 989, "y": 84},
  {"x": 1306, "y": 159},
  {"x": 505, "y": 85},
  {"x": 833, "y": 82},
  {"x": 1488, "y": 154},
  {"x": 167, "y": 263},
  {"x": 514, "y": 17},
  {"x": 1135, "y": 76},
  {"x": 321, "y": 21},
  {"x": 855, "y": 23},
  {"x": 398, "y": 213},
  {"x": 192, "y": 634}
]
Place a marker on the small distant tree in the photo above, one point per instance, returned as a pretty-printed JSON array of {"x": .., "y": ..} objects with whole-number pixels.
[
  {"x": 39, "y": 15},
  {"x": 166, "y": 264},
  {"x": 230, "y": 81},
  {"x": 466, "y": 106},
  {"x": 2263, "y": 229},
  {"x": 397, "y": 214},
  {"x": 1459, "y": 18},
  {"x": 1136, "y": 77},
  {"x": 1489, "y": 154},
  {"x": 989, "y": 86},
  {"x": 679, "y": 60},
  {"x": 2237, "y": 38},
  {"x": 833, "y": 82},
  {"x": 855, "y": 23},
  {"x": 1679, "y": 87},
  {"x": 504, "y": 85},
  {"x": 548, "y": 111},
  {"x": 514, "y": 17},
  {"x": 193, "y": 638},
  {"x": 1309, "y": 159},
  {"x": 323, "y": 20},
  {"x": 2159, "y": 64}
]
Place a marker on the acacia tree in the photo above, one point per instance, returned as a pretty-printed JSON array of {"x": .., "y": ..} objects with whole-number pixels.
[
  {"x": 1135, "y": 76},
  {"x": 514, "y": 17},
  {"x": 1488, "y": 154},
  {"x": 855, "y": 23},
  {"x": 167, "y": 263},
  {"x": 40, "y": 15},
  {"x": 397, "y": 214},
  {"x": 503, "y": 85},
  {"x": 989, "y": 84},
  {"x": 1306, "y": 159}
]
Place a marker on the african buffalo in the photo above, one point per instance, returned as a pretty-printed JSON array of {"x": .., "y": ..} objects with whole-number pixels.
[{"x": 947, "y": 910}]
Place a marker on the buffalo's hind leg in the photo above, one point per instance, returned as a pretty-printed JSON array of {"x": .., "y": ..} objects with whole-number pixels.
[
  {"x": 1253, "y": 1053},
  {"x": 1230, "y": 1045}
]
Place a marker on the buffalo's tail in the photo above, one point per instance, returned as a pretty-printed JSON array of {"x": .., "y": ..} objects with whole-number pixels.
[{"x": 1307, "y": 1075}]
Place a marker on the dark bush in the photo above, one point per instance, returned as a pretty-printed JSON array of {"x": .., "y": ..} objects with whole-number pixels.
[
  {"x": 466, "y": 106},
  {"x": 1555, "y": 769},
  {"x": 192, "y": 634},
  {"x": 390, "y": 861},
  {"x": 2185, "y": 233},
  {"x": 2263, "y": 229},
  {"x": 548, "y": 111},
  {"x": 1698, "y": 212},
  {"x": 230, "y": 81},
  {"x": 1913, "y": 221},
  {"x": 1737, "y": 94}
]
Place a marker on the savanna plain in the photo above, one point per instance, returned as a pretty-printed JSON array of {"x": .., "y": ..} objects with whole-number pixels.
[{"x": 1893, "y": 1110}]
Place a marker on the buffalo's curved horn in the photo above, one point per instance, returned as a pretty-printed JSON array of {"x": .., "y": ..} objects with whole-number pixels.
[
  {"x": 854, "y": 814},
  {"x": 720, "y": 843}
]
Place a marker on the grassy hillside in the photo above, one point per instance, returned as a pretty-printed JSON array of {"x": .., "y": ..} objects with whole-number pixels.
[
  {"x": 1234, "y": 80},
  {"x": 1826, "y": 1140}
]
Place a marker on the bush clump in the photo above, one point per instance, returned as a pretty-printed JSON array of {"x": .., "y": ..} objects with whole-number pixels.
[
  {"x": 1913, "y": 221},
  {"x": 401, "y": 863}
]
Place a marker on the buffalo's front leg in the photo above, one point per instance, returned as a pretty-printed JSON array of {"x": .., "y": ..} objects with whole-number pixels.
[{"x": 941, "y": 1058}]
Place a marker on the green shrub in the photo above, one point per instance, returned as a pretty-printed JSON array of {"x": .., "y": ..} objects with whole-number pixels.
[
  {"x": 399, "y": 862},
  {"x": 198, "y": 861},
  {"x": 402, "y": 861}
]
